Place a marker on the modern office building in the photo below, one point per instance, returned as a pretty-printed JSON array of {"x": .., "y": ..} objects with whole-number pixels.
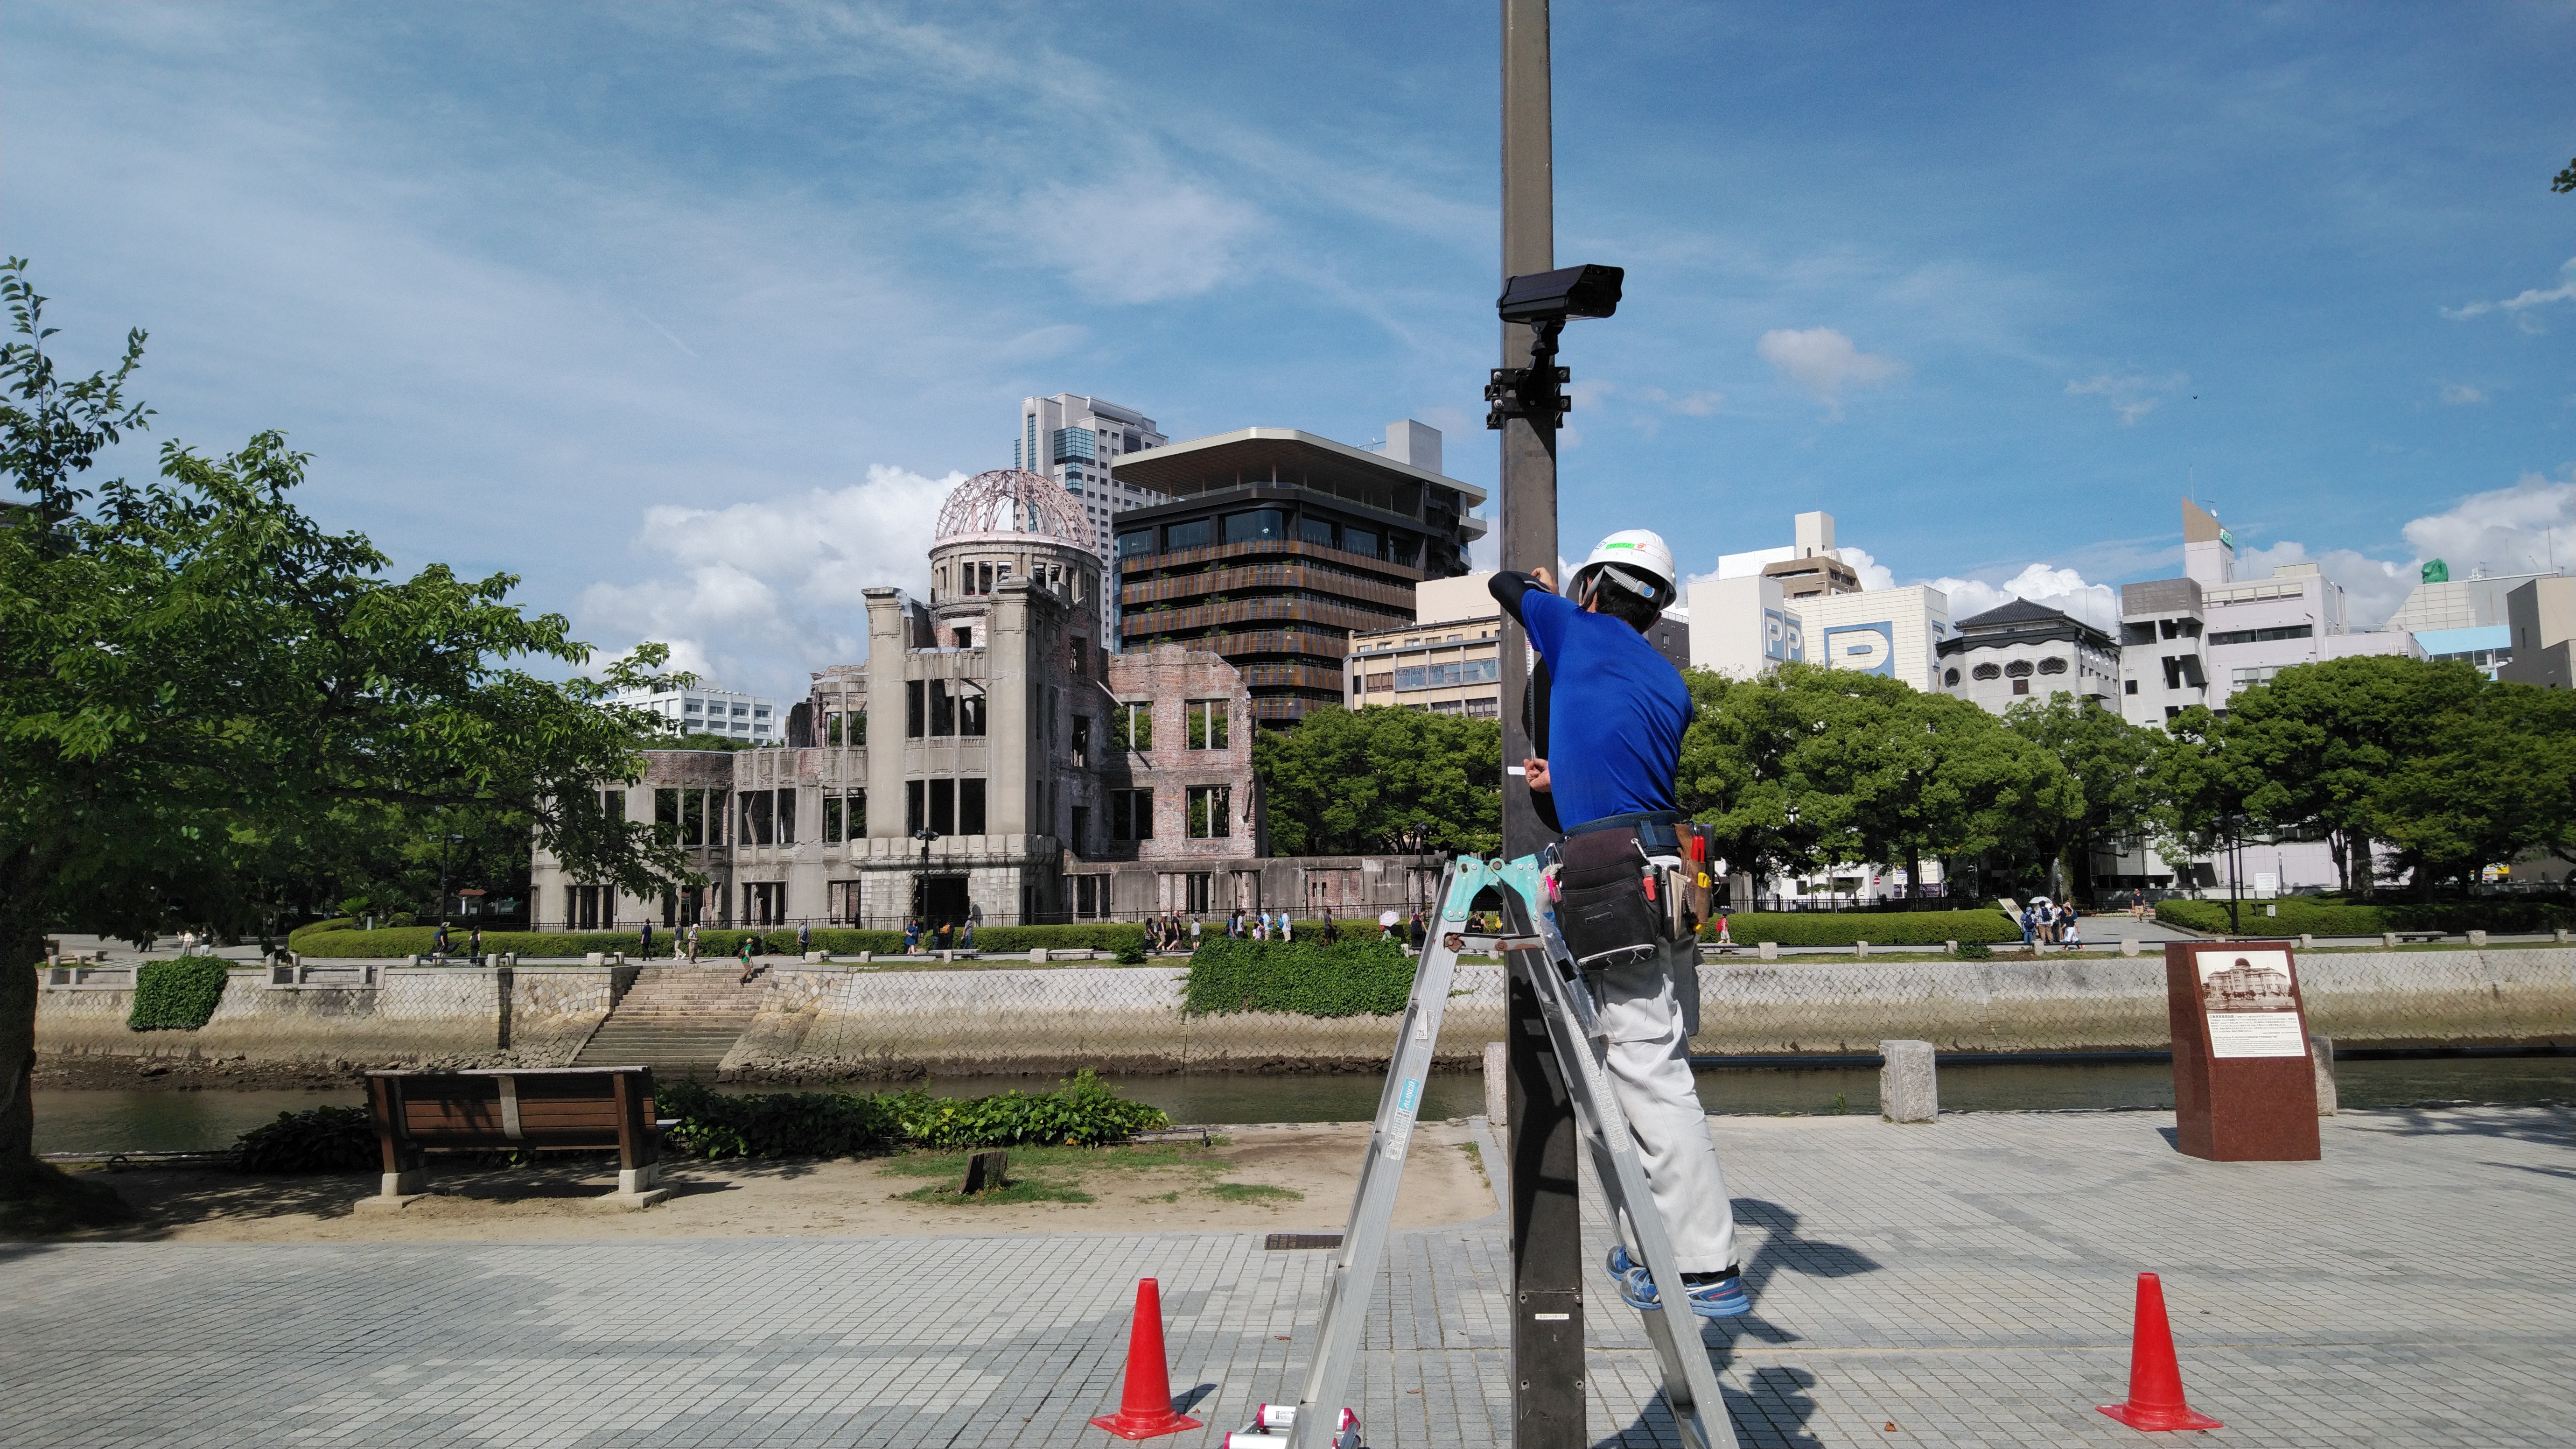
[
  {"x": 2541, "y": 613},
  {"x": 1449, "y": 659},
  {"x": 1054, "y": 779},
  {"x": 2198, "y": 639},
  {"x": 707, "y": 710},
  {"x": 2024, "y": 651},
  {"x": 1277, "y": 546},
  {"x": 1801, "y": 601},
  {"x": 1075, "y": 441}
]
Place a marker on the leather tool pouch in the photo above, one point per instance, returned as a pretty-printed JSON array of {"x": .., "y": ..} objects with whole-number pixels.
[{"x": 1603, "y": 909}]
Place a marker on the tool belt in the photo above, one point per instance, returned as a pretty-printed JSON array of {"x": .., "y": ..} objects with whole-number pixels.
[{"x": 1613, "y": 901}]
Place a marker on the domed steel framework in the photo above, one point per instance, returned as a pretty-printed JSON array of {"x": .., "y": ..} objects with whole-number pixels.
[{"x": 1008, "y": 502}]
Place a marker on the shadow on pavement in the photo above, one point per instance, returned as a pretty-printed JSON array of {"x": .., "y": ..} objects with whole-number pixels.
[
  {"x": 1771, "y": 1414},
  {"x": 2549, "y": 1126}
]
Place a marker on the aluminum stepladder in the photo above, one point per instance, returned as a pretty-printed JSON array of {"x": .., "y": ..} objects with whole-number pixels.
[{"x": 1537, "y": 955}]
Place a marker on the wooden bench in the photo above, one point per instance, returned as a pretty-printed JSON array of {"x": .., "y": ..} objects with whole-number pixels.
[
  {"x": 2412, "y": 938},
  {"x": 540, "y": 1109}
]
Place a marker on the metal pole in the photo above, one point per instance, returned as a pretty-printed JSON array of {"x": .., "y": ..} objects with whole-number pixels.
[{"x": 1547, "y": 1243}]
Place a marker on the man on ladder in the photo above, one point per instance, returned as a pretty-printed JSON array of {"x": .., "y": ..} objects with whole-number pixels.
[{"x": 1613, "y": 759}]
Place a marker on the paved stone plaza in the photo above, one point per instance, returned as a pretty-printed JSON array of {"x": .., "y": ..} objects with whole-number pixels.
[{"x": 1967, "y": 1282}]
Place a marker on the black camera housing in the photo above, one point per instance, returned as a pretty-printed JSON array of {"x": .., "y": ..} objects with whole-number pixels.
[{"x": 1585, "y": 291}]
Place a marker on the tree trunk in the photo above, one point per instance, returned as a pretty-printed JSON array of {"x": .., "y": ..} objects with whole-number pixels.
[
  {"x": 22, "y": 945},
  {"x": 1913, "y": 872}
]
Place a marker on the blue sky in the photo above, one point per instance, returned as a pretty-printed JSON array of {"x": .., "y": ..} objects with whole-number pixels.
[{"x": 684, "y": 312}]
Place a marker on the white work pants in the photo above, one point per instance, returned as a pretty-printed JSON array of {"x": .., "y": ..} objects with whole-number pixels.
[{"x": 1647, "y": 1032}]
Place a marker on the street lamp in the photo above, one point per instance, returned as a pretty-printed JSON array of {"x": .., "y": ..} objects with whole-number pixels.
[{"x": 921, "y": 878}]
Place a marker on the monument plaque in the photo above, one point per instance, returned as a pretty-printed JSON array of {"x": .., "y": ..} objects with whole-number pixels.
[{"x": 2243, "y": 1088}]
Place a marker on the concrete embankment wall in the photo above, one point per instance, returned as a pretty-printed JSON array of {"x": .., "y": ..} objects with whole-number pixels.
[
  {"x": 523, "y": 1016},
  {"x": 821, "y": 1021}
]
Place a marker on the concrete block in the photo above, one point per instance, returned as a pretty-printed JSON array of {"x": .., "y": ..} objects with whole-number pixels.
[
  {"x": 2307, "y": 942},
  {"x": 1498, "y": 1094},
  {"x": 389, "y": 1204},
  {"x": 1768, "y": 950},
  {"x": 639, "y": 1179},
  {"x": 1949, "y": 948},
  {"x": 2388, "y": 939},
  {"x": 2477, "y": 938},
  {"x": 633, "y": 1201},
  {"x": 1909, "y": 1087},
  {"x": 1862, "y": 947},
  {"x": 595, "y": 958},
  {"x": 2321, "y": 1056},
  {"x": 2559, "y": 935},
  {"x": 2128, "y": 945},
  {"x": 818, "y": 956},
  {"x": 1037, "y": 955}
]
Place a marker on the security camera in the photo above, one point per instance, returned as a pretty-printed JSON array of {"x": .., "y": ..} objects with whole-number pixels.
[{"x": 1585, "y": 291}]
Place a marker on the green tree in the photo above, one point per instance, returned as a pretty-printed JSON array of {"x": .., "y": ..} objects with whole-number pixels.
[
  {"x": 2112, "y": 765},
  {"x": 2309, "y": 752},
  {"x": 2498, "y": 780},
  {"x": 192, "y": 671},
  {"x": 1345, "y": 782}
]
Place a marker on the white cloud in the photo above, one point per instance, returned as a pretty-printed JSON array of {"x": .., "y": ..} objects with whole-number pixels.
[
  {"x": 2061, "y": 589},
  {"x": 2131, "y": 397},
  {"x": 756, "y": 595},
  {"x": 2520, "y": 306},
  {"x": 2527, "y": 528},
  {"x": 1139, "y": 241},
  {"x": 2513, "y": 530},
  {"x": 1824, "y": 362},
  {"x": 1873, "y": 574},
  {"x": 2459, "y": 394}
]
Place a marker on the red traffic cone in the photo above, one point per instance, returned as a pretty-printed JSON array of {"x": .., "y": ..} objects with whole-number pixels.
[
  {"x": 1145, "y": 1409},
  {"x": 2155, "y": 1379}
]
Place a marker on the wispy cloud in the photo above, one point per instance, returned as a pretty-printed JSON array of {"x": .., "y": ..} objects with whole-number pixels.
[
  {"x": 2460, "y": 394},
  {"x": 2523, "y": 306},
  {"x": 2132, "y": 397},
  {"x": 1826, "y": 363}
]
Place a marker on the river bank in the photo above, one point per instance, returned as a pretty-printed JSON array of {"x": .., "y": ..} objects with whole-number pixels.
[{"x": 818, "y": 1022}]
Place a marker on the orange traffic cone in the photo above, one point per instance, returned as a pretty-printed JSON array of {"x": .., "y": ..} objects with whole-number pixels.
[
  {"x": 2155, "y": 1379},
  {"x": 1145, "y": 1409}
]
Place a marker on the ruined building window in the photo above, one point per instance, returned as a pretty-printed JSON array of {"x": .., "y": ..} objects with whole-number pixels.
[
  {"x": 1131, "y": 814},
  {"x": 970, "y": 807},
  {"x": 845, "y": 727},
  {"x": 831, "y": 819},
  {"x": 666, "y": 817},
  {"x": 914, "y": 714},
  {"x": 1211, "y": 812},
  {"x": 590, "y": 908},
  {"x": 911, "y": 807},
  {"x": 759, "y": 821},
  {"x": 1082, "y": 739},
  {"x": 956, "y": 707},
  {"x": 612, "y": 803},
  {"x": 787, "y": 817},
  {"x": 1205, "y": 723},
  {"x": 1131, "y": 727}
]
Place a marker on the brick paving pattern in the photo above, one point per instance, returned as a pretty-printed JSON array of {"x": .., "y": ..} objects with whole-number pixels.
[{"x": 1969, "y": 1282}]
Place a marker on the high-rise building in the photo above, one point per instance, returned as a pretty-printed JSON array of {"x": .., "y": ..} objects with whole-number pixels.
[
  {"x": 1076, "y": 441},
  {"x": 1801, "y": 601},
  {"x": 1273, "y": 547}
]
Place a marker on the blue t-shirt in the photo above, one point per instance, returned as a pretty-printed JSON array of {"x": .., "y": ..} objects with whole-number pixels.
[{"x": 1616, "y": 712}]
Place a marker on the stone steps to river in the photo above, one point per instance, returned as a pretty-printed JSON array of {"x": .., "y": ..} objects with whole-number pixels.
[{"x": 677, "y": 1019}]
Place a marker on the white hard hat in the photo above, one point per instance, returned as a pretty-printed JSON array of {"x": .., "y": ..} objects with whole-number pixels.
[{"x": 1635, "y": 559}]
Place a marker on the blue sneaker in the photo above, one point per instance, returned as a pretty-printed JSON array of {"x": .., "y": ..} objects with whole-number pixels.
[
  {"x": 1619, "y": 1262},
  {"x": 1724, "y": 1298}
]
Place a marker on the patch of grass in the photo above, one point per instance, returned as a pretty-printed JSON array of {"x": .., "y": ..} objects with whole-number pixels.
[
  {"x": 1161, "y": 1197},
  {"x": 1019, "y": 1189},
  {"x": 1251, "y": 1192},
  {"x": 1476, "y": 1160},
  {"x": 38, "y": 1199}
]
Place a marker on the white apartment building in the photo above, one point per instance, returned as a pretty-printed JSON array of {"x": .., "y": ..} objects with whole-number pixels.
[
  {"x": 1075, "y": 441},
  {"x": 1772, "y": 606},
  {"x": 714, "y": 712},
  {"x": 1449, "y": 660}
]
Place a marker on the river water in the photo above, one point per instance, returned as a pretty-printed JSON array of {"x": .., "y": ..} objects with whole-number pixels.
[{"x": 181, "y": 1121}]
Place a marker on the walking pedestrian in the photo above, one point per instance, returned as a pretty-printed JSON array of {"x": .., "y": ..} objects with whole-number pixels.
[
  {"x": 1287, "y": 928},
  {"x": 644, "y": 941},
  {"x": 967, "y": 941},
  {"x": 437, "y": 945},
  {"x": 748, "y": 970},
  {"x": 804, "y": 940},
  {"x": 2029, "y": 927},
  {"x": 1194, "y": 935},
  {"x": 474, "y": 945},
  {"x": 1725, "y": 937}
]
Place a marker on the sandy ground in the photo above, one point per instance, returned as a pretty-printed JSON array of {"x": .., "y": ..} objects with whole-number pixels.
[{"x": 1443, "y": 1183}]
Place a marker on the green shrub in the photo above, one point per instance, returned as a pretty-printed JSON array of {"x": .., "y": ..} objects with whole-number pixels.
[
  {"x": 1308, "y": 978},
  {"x": 323, "y": 1139},
  {"x": 176, "y": 995},
  {"x": 1879, "y": 928},
  {"x": 1080, "y": 1113},
  {"x": 2333, "y": 916},
  {"x": 1976, "y": 951}
]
